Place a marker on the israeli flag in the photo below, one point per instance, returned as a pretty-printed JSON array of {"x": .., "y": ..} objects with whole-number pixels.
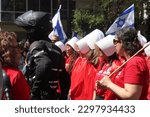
[
  {"x": 125, "y": 19},
  {"x": 57, "y": 27},
  {"x": 75, "y": 34}
]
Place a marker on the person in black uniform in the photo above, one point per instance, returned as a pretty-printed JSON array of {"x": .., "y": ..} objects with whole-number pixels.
[{"x": 46, "y": 64}]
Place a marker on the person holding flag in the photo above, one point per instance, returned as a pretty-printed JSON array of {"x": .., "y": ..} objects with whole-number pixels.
[{"x": 132, "y": 82}]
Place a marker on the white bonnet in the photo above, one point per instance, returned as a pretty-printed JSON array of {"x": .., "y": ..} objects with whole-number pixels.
[
  {"x": 72, "y": 42},
  {"x": 60, "y": 45},
  {"x": 93, "y": 37},
  {"x": 141, "y": 38},
  {"x": 147, "y": 49},
  {"x": 82, "y": 46},
  {"x": 106, "y": 45}
]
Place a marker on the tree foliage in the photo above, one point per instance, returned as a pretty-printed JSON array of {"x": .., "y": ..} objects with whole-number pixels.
[
  {"x": 85, "y": 21},
  {"x": 104, "y": 13}
]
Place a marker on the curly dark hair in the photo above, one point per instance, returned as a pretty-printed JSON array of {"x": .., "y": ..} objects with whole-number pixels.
[
  {"x": 9, "y": 50},
  {"x": 129, "y": 38}
]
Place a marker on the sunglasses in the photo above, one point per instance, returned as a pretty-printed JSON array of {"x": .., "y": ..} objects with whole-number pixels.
[{"x": 115, "y": 41}]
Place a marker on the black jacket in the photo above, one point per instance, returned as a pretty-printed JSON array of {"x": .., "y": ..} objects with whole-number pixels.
[{"x": 47, "y": 64}]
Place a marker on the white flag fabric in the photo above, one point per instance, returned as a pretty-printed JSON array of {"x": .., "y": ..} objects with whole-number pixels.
[
  {"x": 57, "y": 27},
  {"x": 125, "y": 19}
]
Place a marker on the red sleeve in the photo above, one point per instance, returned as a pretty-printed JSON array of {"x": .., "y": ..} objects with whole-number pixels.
[
  {"x": 115, "y": 65},
  {"x": 135, "y": 71},
  {"x": 21, "y": 90}
]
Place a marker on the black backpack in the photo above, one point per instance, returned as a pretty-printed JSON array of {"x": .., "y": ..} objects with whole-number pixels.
[{"x": 43, "y": 52}]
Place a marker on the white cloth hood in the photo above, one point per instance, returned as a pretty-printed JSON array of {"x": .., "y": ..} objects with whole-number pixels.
[
  {"x": 106, "y": 45},
  {"x": 60, "y": 45},
  {"x": 82, "y": 46},
  {"x": 72, "y": 42},
  {"x": 141, "y": 38},
  {"x": 93, "y": 37}
]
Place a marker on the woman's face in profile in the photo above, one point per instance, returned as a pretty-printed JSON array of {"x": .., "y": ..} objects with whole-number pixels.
[
  {"x": 69, "y": 50},
  {"x": 118, "y": 46}
]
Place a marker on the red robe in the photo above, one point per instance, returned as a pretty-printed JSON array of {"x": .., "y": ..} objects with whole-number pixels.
[
  {"x": 82, "y": 80},
  {"x": 148, "y": 64},
  {"x": 77, "y": 78},
  {"x": 134, "y": 72},
  {"x": 106, "y": 70},
  {"x": 20, "y": 89}
]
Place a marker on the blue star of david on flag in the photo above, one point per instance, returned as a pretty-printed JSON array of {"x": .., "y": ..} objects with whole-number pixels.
[
  {"x": 125, "y": 19},
  {"x": 120, "y": 22}
]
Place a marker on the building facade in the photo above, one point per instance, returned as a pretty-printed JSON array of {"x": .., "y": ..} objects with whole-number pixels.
[{"x": 11, "y": 9}]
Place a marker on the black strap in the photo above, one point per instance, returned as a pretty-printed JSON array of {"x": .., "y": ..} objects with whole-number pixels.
[
  {"x": 6, "y": 86},
  {"x": 1, "y": 82}
]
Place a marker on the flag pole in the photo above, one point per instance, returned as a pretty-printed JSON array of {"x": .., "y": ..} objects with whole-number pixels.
[
  {"x": 146, "y": 45},
  {"x": 116, "y": 70}
]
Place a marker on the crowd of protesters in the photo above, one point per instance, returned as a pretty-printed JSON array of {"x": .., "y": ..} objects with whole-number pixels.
[{"x": 100, "y": 67}]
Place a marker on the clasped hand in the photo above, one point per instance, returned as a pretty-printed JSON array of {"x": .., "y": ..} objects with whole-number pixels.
[{"x": 103, "y": 83}]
